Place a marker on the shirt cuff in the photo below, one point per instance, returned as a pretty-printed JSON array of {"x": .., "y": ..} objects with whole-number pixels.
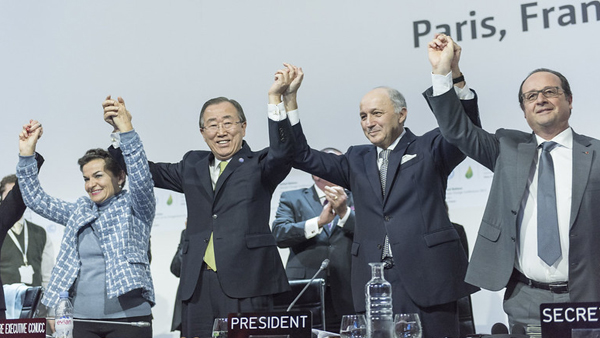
[
  {"x": 115, "y": 140},
  {"x": 343, "y": 220},
  {"x": 294, "y": 117},
  {"x": 441, "y": 84},
  {"x": 276, "y": 112},
  {"x": 311, "y": 228},
  {"x": 464, "y": 93}
]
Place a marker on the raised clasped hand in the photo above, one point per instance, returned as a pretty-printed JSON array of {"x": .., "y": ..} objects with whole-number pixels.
[
  {"x": 116, "y": 114},
  {"x": 29, "y": 136},
  {"x": 441, "y": 54},
  {"x": 297, "y": 75}
]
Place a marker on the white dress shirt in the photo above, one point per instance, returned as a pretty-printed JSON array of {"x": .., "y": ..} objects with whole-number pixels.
[{"x": 528, "y": 261}]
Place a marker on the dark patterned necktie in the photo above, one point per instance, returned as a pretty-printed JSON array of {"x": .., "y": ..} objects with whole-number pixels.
[{"x": 386, "y": 255}]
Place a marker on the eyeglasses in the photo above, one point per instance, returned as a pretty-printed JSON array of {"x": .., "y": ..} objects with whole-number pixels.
[
  {"x": 548, "y": 92},
  {"x": 214, "y": 127}
]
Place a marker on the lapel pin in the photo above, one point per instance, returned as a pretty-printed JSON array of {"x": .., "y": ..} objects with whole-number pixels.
[
  {"x": 241, "y": 160},
  {"x": 587, "y": 153}
]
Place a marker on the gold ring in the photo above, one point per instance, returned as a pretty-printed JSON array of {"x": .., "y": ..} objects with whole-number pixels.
[{"x": 335, "y": 197}]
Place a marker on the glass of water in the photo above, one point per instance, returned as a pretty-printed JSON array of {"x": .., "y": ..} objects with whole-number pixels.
[
  {"x": 408, "y": 325},
  {"x": 220, "y": 328},
  {"x": 353, "y": 326}
]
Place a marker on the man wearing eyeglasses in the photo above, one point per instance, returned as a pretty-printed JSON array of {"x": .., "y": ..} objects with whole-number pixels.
[
  {"x": 540, "y": 231},
  {"x": 230, "y": 261}
]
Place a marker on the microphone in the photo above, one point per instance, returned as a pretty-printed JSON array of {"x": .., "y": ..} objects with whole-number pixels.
[
  {"x": 519, "y": 329},
  {"x": 499, "y": 328},
  {"x": 324, "y": 265},
  {"x": 137, "y": 324}
]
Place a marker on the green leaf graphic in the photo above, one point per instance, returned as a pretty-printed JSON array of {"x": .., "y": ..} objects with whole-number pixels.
[{"x": 469, "y": 173}]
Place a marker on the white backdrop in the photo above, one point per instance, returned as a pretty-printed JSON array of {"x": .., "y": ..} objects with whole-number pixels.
[{"x": 59, "y": 59}]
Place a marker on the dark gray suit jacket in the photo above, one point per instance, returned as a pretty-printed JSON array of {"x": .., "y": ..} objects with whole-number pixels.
[
  {"x": 509, "y": 154},
  {"x": 306, "y": 255}
]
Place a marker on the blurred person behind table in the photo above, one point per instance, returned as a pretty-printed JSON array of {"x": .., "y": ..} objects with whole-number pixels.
[{"x": 28, "y": 257}]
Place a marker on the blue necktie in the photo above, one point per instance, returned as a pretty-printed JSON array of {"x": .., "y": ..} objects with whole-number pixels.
[
  {"x": 547, "y": 227},
  {"x": 330, "y": 223}
]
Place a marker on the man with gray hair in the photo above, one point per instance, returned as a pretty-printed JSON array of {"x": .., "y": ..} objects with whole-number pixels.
[{"x": 399, "y": 187}]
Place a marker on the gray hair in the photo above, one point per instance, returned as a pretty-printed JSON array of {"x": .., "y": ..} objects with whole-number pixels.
[{"x": 398, "y": 100}]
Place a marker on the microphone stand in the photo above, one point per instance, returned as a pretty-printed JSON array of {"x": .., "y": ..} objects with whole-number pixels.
[
  {"x": 137, "y": 324},
  {"x": 324, "y": 265}
]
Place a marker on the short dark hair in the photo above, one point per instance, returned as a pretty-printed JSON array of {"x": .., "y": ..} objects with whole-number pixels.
[
  {"x": 564, "y": 83},
  {"x": 12, "y": 178},
  {"x": 110, "y": 164},
  {"x": 218, "y": 100}
]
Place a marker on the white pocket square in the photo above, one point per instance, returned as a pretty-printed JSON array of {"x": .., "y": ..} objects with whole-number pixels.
[{"x": 407, "y": 158}]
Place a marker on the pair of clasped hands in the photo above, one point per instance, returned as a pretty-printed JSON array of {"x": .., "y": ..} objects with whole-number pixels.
[
  {"x": 115, "y": 114},
  {"x": 284, "y": 89}
]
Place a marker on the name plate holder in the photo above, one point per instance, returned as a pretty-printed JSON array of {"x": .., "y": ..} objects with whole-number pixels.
[
  {"x": 293, "y": 324},
  {"x": 23, "y": 328},
  {"x": 576, "y": 320}
]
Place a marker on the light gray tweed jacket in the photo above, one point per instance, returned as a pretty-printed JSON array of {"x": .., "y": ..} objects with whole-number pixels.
[{"x": 123, "y": 228}]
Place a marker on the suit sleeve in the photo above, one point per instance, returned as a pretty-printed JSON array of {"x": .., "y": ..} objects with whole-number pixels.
[
  {"x": 331, "y": 167},
  {"x": 448, "y": 155},
  {"x": 278, "y": 162},
  {"x": 164, "y": 175},
  {"x": 13, "y": 207},
  {"x": 458, "y": 128},
  {"x": 286, "y": 230},
  {"x": 176, "y": 262}
]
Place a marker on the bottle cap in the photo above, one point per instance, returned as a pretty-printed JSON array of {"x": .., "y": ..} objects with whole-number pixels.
[{"x": 64, "y": 294}]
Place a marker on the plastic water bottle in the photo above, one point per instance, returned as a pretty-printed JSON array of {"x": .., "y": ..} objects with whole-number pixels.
[
  {"x": 380, "y": 316},
  {"x": 63, "y": 316}
]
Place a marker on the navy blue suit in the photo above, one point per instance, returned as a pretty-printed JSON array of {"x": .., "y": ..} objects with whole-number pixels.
[
  {"x": 237, "y": 213},
  {"x": 429, "y": 261}
]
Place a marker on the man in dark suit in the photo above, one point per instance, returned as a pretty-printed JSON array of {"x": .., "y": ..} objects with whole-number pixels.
[
  {"x": 317, "y": 223},
  {"x": 427, "y": 263},
  {"x": 507, "y": 253},
  {"x": 228, "y": 192}
]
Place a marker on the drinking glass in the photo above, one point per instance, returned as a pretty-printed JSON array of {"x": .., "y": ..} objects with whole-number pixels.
[
  {"x": 408, "y": 325},
  {"x": 353, "y": 326},
  {"x": 220, "y": 328}
]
